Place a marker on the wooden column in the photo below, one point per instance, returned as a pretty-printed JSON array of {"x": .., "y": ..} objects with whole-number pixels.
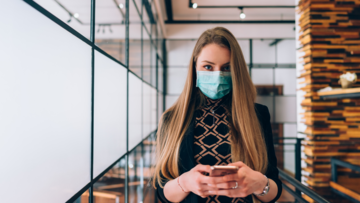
[{"x": 329, "y": 37}]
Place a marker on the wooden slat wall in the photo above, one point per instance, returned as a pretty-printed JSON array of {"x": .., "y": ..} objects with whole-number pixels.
[{"x": 331, "y": 44}]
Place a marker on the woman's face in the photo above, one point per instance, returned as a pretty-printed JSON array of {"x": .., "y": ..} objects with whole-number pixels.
[{"x": 213, "y": 58}]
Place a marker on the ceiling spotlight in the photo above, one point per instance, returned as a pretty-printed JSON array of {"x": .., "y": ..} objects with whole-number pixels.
[
  {"x": 242, "y": 14},
  {"x": 194, "y": 5},
  {"x": 121, "y": 5},
  {"x": 76, "y": 15}
]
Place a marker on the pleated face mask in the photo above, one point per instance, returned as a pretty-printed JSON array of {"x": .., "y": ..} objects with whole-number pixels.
[{"x": 214, "y": 84}]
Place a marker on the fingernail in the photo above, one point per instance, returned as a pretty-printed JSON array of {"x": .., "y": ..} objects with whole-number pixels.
[
  {"x": 211, "y": 191},
  {"x": 210, "y": 184}
]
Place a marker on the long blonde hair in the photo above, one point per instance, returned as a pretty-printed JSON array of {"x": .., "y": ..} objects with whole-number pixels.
[{"x": 247, "y": 141}]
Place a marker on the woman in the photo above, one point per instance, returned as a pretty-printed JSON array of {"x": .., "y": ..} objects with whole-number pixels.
[{"x": 216, "y": 121}]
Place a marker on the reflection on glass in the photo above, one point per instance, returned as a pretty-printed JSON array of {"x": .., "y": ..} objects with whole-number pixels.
[
  {"x": 136, "y": 176},
  {"x": 149, "y": 146},
  {"x": 134, "y": 39},
  {"x": 110, "y": 28},
  {"x": 110, "y": 188},
  {"x": 75, "y": 13},
  {"x": 84, "y": 198},
  {"x": 146, "y": 57}
]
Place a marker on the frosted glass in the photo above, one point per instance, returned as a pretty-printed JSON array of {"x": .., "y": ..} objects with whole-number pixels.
[
  {"x": 45, "y": 108},
  {"x": 263, "y": 52},
  {"x": 176, "y": 80},
  {"x": 286, "y": 51},
  {"x": 135, "y": 114},
  {"x": 285, "y": 109},
  {"x": 262, "y": 76},
  {"x": 287, "y": 78},
  {"x": 110, "y": 112},
  {"x": 146, "y": 109}
]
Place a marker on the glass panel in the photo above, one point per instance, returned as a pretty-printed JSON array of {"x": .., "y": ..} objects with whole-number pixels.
[
  {"x": 136, "y": 176},
  {"x": 110, "y": 28},
  {"x": 285, "y": 108},
  {"x": 135, "y": 114},
  {"x": 84, "y": 198},
  {"x": 245, "y": 48},
  {"x": 138, "y": 4},
  {"x": 153, "y": 109},
  {"x": 286, "y": 51},
  {"x": 262, "y": 76},
  {"x": 146, "y": 20},
  {"x": 146, "y": 57},
  {"x": 110, "y": 188},
  {"x": 147, "y": 109},
  {"x": 160, "y": 76},
  {"x": 153, "y": 65},
  {"x": 263, "y": 53},
  {"x": 176, "y": 80},
  {"x": 160, "y": 105},
  {"x": 74, "y": 13},
  {"x": 159, "y": 41},
  {"x": 45, "y": 108},
  {"x": 110, "y": 112},
  {"x": 286, "y": 77},
  {"x": 134, "y": 40},
  {"x": 149, "y": 163}
]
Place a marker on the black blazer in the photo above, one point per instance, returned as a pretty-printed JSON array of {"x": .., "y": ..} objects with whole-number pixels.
[{"x": 187, "y": 162}]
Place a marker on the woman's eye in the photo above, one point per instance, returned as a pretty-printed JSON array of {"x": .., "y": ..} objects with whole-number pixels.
[
  {"x": 226, "y": 68},
  {"x": 207, "y": 67}
]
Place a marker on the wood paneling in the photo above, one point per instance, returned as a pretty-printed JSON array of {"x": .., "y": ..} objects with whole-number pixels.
[{"x": 331, "y": 44}]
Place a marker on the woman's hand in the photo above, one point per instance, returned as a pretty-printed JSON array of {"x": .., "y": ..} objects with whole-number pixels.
[
  {"x": 248, "y": 181},
  {"x": 195, "y": 181}
]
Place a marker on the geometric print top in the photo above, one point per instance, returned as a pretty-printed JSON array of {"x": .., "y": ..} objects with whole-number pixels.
[{"x": 212, "y": 143}]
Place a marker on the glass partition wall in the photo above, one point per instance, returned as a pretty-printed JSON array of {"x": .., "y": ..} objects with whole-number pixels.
[{"x": 87, "y": 95}]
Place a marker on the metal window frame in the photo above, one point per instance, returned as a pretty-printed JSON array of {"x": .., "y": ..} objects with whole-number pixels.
[{"x": 91, "y": 43}]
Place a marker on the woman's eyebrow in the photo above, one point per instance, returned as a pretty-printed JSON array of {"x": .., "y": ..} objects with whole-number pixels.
[{"x": 228, "y": 63}]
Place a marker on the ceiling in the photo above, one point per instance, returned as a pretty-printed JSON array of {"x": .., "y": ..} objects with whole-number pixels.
[{"x": 182, "y": 12}]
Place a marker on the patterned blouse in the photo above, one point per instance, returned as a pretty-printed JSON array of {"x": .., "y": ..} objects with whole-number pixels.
[{"x": 212, "y": 143}]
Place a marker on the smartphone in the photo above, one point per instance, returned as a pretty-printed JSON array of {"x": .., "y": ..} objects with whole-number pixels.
[{"x": 222, "y": 170}]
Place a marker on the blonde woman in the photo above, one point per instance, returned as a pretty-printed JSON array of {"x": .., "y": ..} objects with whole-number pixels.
[{"x": 216, "y": 121}]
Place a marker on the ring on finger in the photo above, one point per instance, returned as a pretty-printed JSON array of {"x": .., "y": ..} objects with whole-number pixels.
[{"x": 236, "y": 185}]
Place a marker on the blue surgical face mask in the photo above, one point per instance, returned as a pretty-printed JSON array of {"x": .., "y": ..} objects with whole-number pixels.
[{"x": 214, "y": 84}]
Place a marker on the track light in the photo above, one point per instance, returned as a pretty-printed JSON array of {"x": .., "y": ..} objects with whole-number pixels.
[
  {"x": 76, "y": 15},
  {"x": 121, "y": 5},
  {"x": 242, "y": 14},
  {"x": 194, "y": 5}
]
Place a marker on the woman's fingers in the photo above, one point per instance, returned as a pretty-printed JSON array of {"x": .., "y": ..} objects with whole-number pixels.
[
  {"x": 227, "y": 185},
  {"x": 203, "y": 168}
]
